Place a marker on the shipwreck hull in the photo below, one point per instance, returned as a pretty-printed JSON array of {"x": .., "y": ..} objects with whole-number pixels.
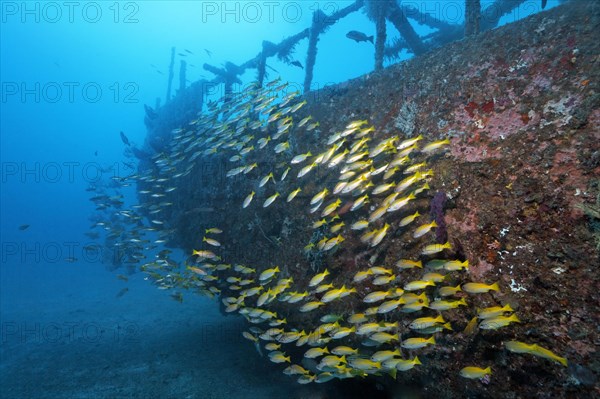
[{"x": 519, "y": 186}]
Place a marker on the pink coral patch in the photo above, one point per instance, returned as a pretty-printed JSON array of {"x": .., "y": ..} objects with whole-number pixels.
[{"x": 480, "y": 269}]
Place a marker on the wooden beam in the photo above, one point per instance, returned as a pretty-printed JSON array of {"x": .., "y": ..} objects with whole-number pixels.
[
  {"x": 397, "y": 17},
  {"x": 472, "y": 17},
  {"x": 170, "y": 78}
]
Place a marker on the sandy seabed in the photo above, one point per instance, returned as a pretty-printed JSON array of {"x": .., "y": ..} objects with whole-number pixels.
[{"x": 67, "y": 335}]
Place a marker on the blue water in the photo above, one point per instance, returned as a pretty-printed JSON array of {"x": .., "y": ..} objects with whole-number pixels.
[{"x": 73, "y": 76}]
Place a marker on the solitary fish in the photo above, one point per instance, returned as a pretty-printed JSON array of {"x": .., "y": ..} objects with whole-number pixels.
[
  {"x": 199, "y": 271},
  {"x": 359, "y": 36},
  {"x": 408, "y": 264},
  {"x": 204, "y": 254},
  {"x": 479, "y": 288},
  {"x": 344, "y": 350},
  {"x": 318, "y": 278},
  {"x": 383, "y": 337},
  {"x": 282, "y": 147},
  {"x": 307, "y": 307},
  {"x": 306, "y": 378},
  {"x": 435, "y": 248},
  {"x": 293, "y": 194},
  {"x": 267, "y": 274},
  {"x": 475, "y": 372},
  {"x": 315, "y": 352},
  {"x": 440, "y": 305},
  {"x": 285, "y": 173},
  {"x": 471, "y": 326},
  {"x": 211, "y": 241},
  {"x": 424, "y": 322},
  {"x": 454, "y": 265},
  {"x": 306, "y": 169},
  {"x": 364, "y": 364},
  {"x": 359, "y": 202},
  {"x": 435, "y": 145},
  {"x": 375, "y": 296},
  {"x": 297, "y": 64},
  {"x": 519, "y": 347},
  {"x": 379, "y": 235},
  {"x": 124, "y": 139},
  {"x": 498, "y": 322},
  {"x": 300, "y": 158},
  {"x": 424, "y": 229},
  {"x": 319, "y": 196},
  {"x": 416, "y": 343},
  {"x": 279, "y": 357},
  {"x": 417, "y": 285},
  {"x": 409, "y": 219},
  {"x": 333, "y": 242},
  {"x": 265, "y": 179},
  {"x": 492, "y": 312},
  {"x": 248, "y": 199},
  {"x": 389, "y": 306},
  {"x": 270, "y": 200},
  {"x": 534, "y": 349},
  {"x": 405, "y": 365}
]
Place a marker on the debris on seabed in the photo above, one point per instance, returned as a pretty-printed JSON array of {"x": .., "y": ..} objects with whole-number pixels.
[{"x": 514, "y": 287}]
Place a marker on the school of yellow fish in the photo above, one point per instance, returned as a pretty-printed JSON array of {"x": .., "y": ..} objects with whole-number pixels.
[{"x": 376, "y": 192}]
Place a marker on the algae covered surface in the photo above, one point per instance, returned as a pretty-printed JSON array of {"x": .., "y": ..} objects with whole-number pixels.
[{"x": 512, "y": 188}]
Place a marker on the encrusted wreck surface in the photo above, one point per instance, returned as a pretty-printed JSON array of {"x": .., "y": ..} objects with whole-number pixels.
[{"x": 521, "y": 181}]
